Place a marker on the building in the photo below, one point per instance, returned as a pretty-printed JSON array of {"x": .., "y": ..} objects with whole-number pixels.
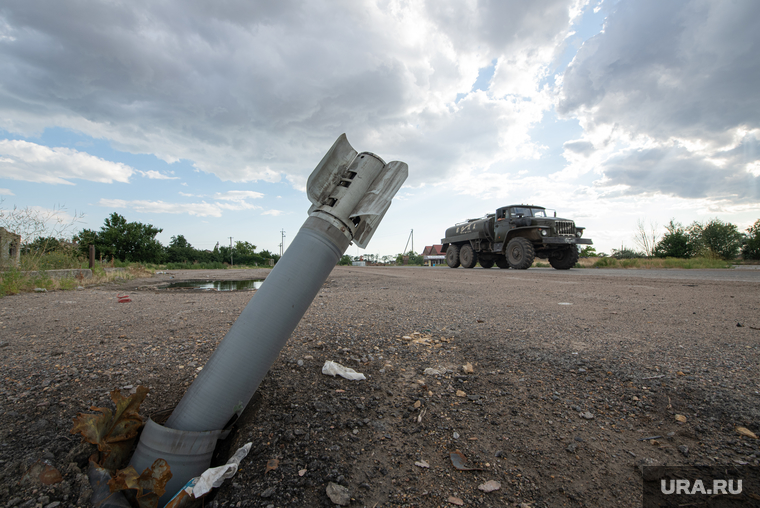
[
  {"x": 10, "y": 249},
  {"x": 432, "y": 255}
]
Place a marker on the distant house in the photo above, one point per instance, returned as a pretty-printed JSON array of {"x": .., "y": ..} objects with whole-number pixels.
[
  {"x": 432, "y": 255},
  {"x": 10, "y": 249}
]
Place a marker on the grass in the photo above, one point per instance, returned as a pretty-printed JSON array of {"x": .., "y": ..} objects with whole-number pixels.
[
  {"x": 16, "y": 281},
  {"x": 655, "y": 263}
]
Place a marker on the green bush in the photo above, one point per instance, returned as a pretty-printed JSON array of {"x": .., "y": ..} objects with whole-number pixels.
[{"x": 751, "y": 247}]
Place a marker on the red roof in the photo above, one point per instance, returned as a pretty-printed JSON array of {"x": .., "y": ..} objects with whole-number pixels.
[{"x": 433, "y": 250}]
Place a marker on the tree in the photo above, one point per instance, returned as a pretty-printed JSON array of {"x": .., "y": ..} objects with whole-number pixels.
[
  {"x": 414, "y": 259},
  {"x": 715, "y": 239},
  {"x": 42, "y": 245},
  {"x": 129, "y": 241},
  {"x": 587, "y": 252},
  {"x": 35, "y": 223},
  {"x": 645, "y": 238},
  {"x": 751, "y": 248},
  {"x": 674, "y": 243},
  {"x": 625, "y": 253},
  {"x": 345, "y": 260},
  {"x": 180, "y": 250}
]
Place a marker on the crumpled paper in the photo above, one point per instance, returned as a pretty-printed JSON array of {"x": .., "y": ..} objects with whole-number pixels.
[{"x": 331, "y": 368}]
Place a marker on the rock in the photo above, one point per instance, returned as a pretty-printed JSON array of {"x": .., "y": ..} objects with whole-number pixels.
[
  {"x": 467, "y": 368},
  {"x": 269, "y": 492},
  {"x": 13, "y": 502},
  {"x": 645, "y": 462},
  {"x": 432, "y": 372},
  {"x": 572, "y": 447},
  {"x": 684, "y": 450},
  {"x": 489, "y": 486},
  {"x": 587, "y": 415},
  {"x": 338, "y": 494},
  {"x": 455, "y": 500},
  {"x": 42, "y": 472},
  {"x": 460, "y": 393}
]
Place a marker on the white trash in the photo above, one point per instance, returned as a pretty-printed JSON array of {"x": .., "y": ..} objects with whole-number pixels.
[
  {"x": 331, "y": 368},
  {"x": 213, "y": 477}
]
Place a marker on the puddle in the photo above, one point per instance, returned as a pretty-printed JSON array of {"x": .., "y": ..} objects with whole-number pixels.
[{"x": 215, "y": 285}]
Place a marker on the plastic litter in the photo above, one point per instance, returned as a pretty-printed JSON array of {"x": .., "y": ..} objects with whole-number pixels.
[
  {"x": 215, "y": 476},
  {"x": 123, "y": 298},
  {"x": 331, "y": 369},
  {"x": 210, "y": 479}
]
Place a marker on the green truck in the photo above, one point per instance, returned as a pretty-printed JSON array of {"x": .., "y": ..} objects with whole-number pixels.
[{"x": 512, "y": 238}]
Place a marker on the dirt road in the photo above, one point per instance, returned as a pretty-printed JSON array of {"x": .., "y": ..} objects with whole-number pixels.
[{"x": 571, "y": 371}]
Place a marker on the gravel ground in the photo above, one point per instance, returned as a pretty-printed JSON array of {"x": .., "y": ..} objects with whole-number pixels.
[{"x": 569, "y": 375}]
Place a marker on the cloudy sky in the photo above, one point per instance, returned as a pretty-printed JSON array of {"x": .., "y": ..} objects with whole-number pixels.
[{"x": 206, "y": 118}]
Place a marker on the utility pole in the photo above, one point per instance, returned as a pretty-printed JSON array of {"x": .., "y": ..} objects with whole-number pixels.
[
  {"x": 231, "y": 263},
  {"x": 282, "y": 242}
]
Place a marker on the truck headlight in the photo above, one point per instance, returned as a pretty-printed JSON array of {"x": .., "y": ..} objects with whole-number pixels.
[
  {"x": 579, "y": 233},
  {"x": 543, "y": 232}
]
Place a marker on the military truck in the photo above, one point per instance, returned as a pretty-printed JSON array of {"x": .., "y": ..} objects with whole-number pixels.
[{"x": 512, "y": 238}]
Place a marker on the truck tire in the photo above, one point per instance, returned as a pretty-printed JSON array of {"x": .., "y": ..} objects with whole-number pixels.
[
  {"x": 486, "y": 263},
  {"x": 564, "y": 259},
  {"x": 502, "y": 263},
  {"x": 468, "y": 256},
  {"x": 452, "y": 256},
  {"x": 520, "y": 253}
]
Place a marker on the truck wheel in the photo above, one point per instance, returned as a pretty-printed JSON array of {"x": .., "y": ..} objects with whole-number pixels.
[
  {"x": 520, "y": 253},
  {"x": 452, "y": 256},
  {"x": 467, "y": 256},
  {"x": 502, "y": 262},
  {"x": 564, "y": 259},
  {"x": 486, "y": 263}
]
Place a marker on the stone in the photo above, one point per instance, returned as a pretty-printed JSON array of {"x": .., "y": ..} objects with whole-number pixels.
[{"x": 338, "y": 494}]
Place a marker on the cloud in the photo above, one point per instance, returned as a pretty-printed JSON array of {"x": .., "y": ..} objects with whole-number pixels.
[
  {"x": 579, "y": 147},
  {"x": 201, "y": 209},
  {"x": 6, "y": 192},
  {"x": 155, "y": 175},
  {"x": 273, "y": 213},
  {"x": 238, "y": 195},
  {"x": 22, "y": 160},
  {"x": 253, "y": 91},
  {"x": 667, "y": 93},
  {"x": 677, "y": 171},
  {"x": 229, "y": 200}
]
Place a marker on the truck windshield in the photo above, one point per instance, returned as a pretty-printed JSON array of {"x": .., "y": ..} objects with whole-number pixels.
[{"x": 529, "y": 212}]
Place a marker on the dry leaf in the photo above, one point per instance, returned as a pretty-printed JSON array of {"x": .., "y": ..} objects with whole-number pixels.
[
  {"x": 460, "y": 393},
  {"x": 490, "y": 486},
  {"x": 680, "y": 418},
  {"x": 421, "y": 463},
  {"x": 150, "y": 485},
  {"x": 746, "y": 432},
  {"x": 114, "y": 433},
  {"x": 272, "y": 464}
]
